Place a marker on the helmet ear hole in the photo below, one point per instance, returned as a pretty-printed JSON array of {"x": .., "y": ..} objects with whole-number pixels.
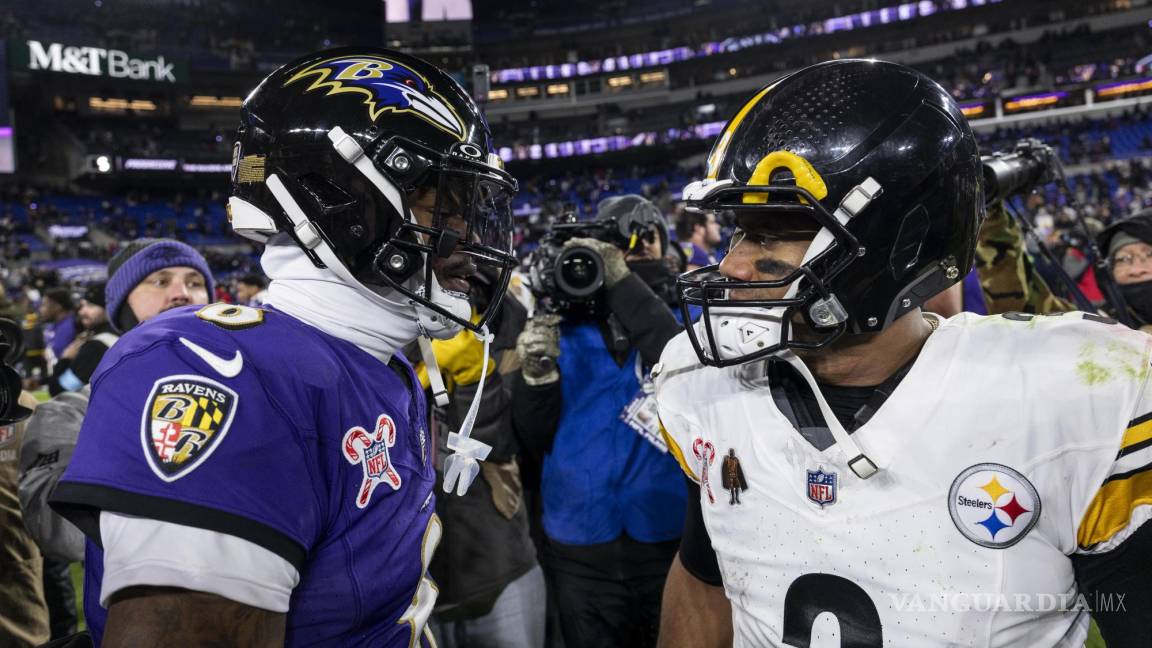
[{"x": 906, "y": 251}]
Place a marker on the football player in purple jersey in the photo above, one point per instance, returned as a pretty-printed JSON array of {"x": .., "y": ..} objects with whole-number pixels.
[{"x": 263, "y": 477}]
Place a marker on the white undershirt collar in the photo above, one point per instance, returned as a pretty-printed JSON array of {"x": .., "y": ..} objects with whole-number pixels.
[{"x": 317, "y": 297}]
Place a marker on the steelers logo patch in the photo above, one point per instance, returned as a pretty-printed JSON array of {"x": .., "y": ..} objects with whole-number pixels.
[
  {"x": 185, "y": 419},
  {"x": 993, "y": 505}
]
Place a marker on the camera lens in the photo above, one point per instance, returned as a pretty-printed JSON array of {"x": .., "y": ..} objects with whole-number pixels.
[{"x": 579, "y": 272}]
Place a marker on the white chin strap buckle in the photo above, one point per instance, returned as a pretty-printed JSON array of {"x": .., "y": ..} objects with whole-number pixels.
[
  {"x": 462, "y": 466},
  {"x": 862, "y": 466}
]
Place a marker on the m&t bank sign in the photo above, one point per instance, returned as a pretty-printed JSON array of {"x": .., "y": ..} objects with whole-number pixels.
[{"x": 95, "y": 61}]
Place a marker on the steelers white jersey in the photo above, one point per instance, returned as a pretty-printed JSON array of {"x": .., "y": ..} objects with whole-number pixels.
[{"x": 1010, "y": 445}]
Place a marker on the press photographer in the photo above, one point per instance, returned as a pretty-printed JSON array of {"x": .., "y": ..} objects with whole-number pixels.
[
  {"x": 23, "y": 611},
  {"x": 613, "y": 499},
  {"x": 1052, "y": 280}
]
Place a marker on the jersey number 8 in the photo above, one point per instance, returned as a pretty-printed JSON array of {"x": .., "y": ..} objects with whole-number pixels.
[{"x": 231, "y": 316}]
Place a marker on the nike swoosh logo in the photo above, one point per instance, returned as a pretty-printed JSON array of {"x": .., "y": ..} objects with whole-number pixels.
[{"x": 227, "y": 368}]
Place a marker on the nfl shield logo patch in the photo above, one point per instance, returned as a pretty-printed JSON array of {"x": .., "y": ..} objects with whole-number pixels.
[
  {"x": 7, "y": 433},
  {"x": 370, "y": 450},
  {"x": 822, "y": 487},
  {"x": 185, "y": 419}
]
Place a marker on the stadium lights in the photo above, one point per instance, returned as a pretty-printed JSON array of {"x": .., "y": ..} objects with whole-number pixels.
[
  {"x": 527, "y": 91},
  {"x": 1123, "y": 87},
  {"x": 972, "y": 110},
  {"x": 205, "y": 167},
  {"x": 149, "y": 164},
  {"x": 103, "y": 164},
  {"x": 862, "y": 20},
  {"x": 117, "y": 104},
  {"x": 619, "y": 82},
  {"x": 1034, "y": 101},
  {"x": 497, "y": 95},
  {"x": 653, "y": 77},
  {"x": 557, "y": 89},
  {"x": 205, "y": 101}
]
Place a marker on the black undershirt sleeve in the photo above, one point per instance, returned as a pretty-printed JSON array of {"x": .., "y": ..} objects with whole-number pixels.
[
  {"x": 1118, "y": 589},
  {"x": 696, "y": 553}
]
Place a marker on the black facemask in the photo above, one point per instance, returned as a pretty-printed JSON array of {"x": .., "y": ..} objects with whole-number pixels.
[
  {"x": 1139, "y": 299},
  {"x": 658, "y": 277}
]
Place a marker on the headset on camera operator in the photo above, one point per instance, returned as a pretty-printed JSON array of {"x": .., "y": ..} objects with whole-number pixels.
[{"x": 612, "y": 496}]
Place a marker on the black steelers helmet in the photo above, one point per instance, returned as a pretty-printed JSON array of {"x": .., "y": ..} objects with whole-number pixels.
[
  {"x": 334, "y": 148},
  {"x": 880, "y": 157}
]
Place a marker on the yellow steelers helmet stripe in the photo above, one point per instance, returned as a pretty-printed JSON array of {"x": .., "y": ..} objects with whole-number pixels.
[
  {"x": 1111, "y": 510},
  {"x": 806, "y": 176},
  {"x": 726, "y": 138},
  {"x": 677, "y": 453}
]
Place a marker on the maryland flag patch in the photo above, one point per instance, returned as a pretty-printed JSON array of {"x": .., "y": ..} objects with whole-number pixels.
[{"x": 185, "y": 419}]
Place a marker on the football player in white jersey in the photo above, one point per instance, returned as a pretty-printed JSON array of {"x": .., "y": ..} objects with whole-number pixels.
[{"x": 866, "y": 474}]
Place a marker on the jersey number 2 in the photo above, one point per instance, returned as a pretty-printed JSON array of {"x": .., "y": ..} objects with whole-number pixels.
[{"x": 812, "y": 594}]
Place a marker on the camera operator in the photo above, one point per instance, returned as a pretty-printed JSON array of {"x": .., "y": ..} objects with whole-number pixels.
[
  {"x": 1012, "y": 279},
  {"x": 1128, "y": 248},
  {"x": 23, "y": 611},
  {"x": 613, "y": 498}
]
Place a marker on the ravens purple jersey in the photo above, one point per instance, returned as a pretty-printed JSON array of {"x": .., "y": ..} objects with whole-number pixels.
[{"x": 253, "y": 424}]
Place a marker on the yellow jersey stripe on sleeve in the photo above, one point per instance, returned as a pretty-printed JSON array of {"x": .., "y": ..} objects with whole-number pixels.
[
  {"x": 674, "y": 448},
  {"x": 1139, "y": 431},
  {"x": 1111, "y": 510}
]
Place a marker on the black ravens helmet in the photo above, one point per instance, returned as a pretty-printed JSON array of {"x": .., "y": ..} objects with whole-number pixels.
[
  {"x": 381, "y": 168},
  {"x": 883, "y": 162}
]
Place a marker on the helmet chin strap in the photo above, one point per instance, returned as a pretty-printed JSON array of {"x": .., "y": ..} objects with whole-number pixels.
[
  {"x": 435, "y": 325},
  {"x": 740, "y": 332},
  {"x": 462, "y": 466},
  {"x": 858, "y": 460},
  {"x": 311, "y": 240}
]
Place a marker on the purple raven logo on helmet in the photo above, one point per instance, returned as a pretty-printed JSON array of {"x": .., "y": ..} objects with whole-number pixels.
[{"x": 387, "y": 86}]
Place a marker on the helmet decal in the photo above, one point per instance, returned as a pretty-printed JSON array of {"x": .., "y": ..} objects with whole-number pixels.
[
  {"x": 806, "y": 177},
  {"x": 387, "y": 85}
]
